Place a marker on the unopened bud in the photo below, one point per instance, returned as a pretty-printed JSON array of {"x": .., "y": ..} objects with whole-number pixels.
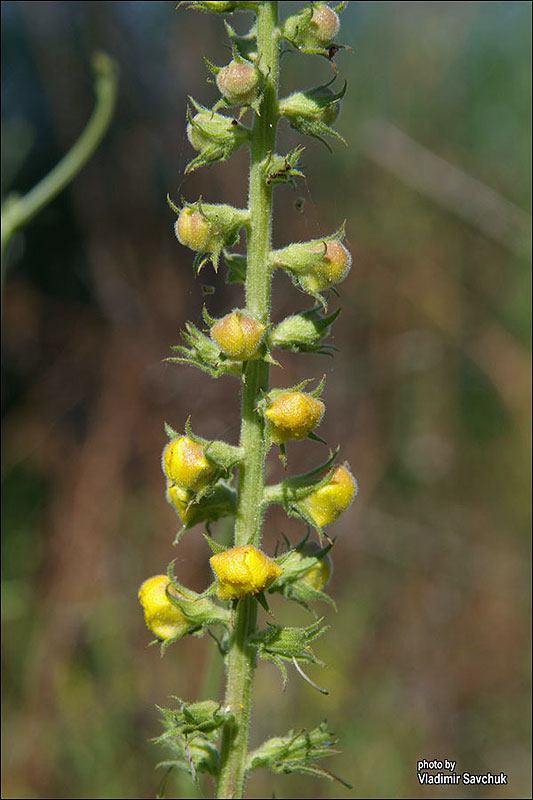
[
  {"x": 313, "y": 104},
  {"x": 324, "y": 25},
  {"x": 195, "y": 231},
  {"x": 238, "y": 335},
  {"x": 326, "y": 504},
  {"x": 243, "y": 571},
  {"x": 238, "y": 83},
  {"x": 293, "y": 415},
  {"x": 331, "y": 269},
  {"x": 184, "y": 463},
  {"x": 183, "y": 502},
  {"x": 319, "y": 574},
  {"x": 162, "y": 617},
  {"x": 313, "y": 28}
]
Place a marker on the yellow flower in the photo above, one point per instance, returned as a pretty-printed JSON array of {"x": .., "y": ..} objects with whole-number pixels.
[
  {"x": 242, "y": 571},
  {"x": 161, "y": 616},
  {"x": 293, "y": 415},
  {"x": 184, "y": 462},
  {"x": 325, "y": 505},
  {"x": 238, "y": 335}
]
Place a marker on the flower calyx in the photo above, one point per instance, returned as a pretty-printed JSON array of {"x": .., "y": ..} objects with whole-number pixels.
[
  {"x": 283, "y": 169},
  {"x": 307, "y": 569},
  {"x": 313, "y": 112},
  {"x": 208, "y": 506},
  {"x": 314, "y": 29},
  {"x": 316, "y": 265},
  {"x": 214, "y": 136},
  {"x": 207, "y": 228},
  {"x": 243, "y": 571},
  {"x": 191, "y": 731},
  {"x": 278, "y": 644},
  {"x": 304, "y": 332},
  {"x": 297, "y": 752}
]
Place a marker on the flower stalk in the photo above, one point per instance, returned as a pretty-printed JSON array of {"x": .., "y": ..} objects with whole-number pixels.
[{"x": 200, "y": 473}]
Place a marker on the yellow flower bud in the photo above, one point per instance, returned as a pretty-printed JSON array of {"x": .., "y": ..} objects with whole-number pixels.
[
  {"x": 320, "y": 573},
  {"x": 181, "y": 500},
  {"x": 326, "y": 504},
  {"x": 238, "y": 335},
  {"x": 243, "y": 571},
  {"x": 324, "y": 24},
  {"x": 185, "y": 464},
  {"x": 333, "y": 268},
  {"x": 161, "y": 616},
  {"x": 238, "y": 83},
  {"x": 293, "y": 415},
  {"x": 194, "y": 230}
]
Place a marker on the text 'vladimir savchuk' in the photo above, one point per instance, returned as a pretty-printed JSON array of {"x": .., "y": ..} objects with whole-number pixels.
[{"x": 452, "y": 777}]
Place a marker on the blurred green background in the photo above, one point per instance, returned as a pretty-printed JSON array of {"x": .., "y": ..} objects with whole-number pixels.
[{"x": 429, "y": 395}]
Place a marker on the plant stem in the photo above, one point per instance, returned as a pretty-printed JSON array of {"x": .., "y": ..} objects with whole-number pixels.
[
  {"x": 18, "y": 211},
  {"x": 241, "y": 658}
]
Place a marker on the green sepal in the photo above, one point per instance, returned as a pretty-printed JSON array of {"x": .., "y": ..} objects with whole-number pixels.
[
  {"x": 216, "y": 548},
  {"x": 245, "y": 45},
  {"x": 204, "y": 354},
  {"x": 191, "y": 731},
  {"x": 296, "y": 752},
  {"x": 277, "y": 642},
  {"x": 282, "y": 169},
  {"x": 236, "y": 264},
  {"x": 217, "y": 136},
  {"x": 219, "y": 501},
  {"x": 223, "y": 455},
  {"x": 226, "y": 222},
  {"x": 304, "y": 332},
  {"x": 295, "y": 565}
]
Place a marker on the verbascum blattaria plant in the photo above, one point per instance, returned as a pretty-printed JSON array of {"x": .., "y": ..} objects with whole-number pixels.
[{"x": 207, "y": 480}]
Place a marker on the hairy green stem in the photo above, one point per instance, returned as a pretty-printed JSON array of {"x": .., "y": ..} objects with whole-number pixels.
[{"x": 241, "y": 657}]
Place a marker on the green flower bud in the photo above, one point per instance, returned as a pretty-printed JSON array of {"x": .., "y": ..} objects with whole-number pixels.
[
  {"x": 333, "y": 267},
  {"x": 313, "y": 29},
  {"x": 325, "y": 505},
  {"x": 324, "y": 26},
  {"x": 238, "y": 335},
  {"x": 293, "y": 415},
  {"x": 193, "y": 230},
  {"x": 303, "y": 333},
  {"x": 239, "y": 83},
  {"x": 193, "y": 509},
  {"x": 185, "y": 464},
  {"x": 214, "y": 136},
  {"x": 316, "y": 265},
  {"x": 320, "y": 103},
  {"x": 208, "y": 227}
]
